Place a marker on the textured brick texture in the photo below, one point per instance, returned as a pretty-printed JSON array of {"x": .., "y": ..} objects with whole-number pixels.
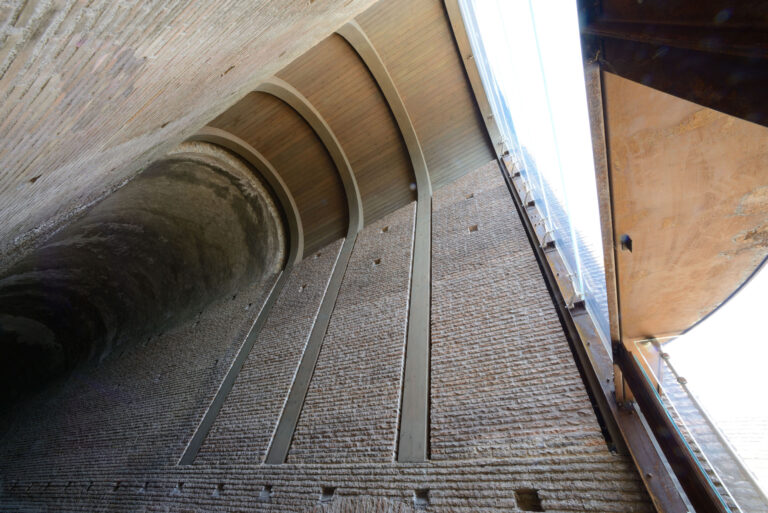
[
  {"x": 351, "y": 409},
  {"x": 243, "y": 429},
  {"x": 504, "y": 382},
  {"x": 91, "y": 92},
  {"x": 508, "y": 410},
  {"x": 137, "y": 409}
]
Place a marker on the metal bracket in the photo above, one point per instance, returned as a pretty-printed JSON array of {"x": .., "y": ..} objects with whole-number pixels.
[
  {"x": 547, "y": 244},
  {"x": 576, "y": 303}
]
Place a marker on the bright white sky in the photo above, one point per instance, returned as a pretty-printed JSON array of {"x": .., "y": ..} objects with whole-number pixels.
[
  {"x": 533, "y": 49},
  {"x": 724, "y": 360}
]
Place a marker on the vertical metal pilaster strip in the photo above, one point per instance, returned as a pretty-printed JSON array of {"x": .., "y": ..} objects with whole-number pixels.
[
  {"x": 413, "y": 437},
  {"x": 281, "y": 440},
  {"x": 413, "y": 443},
  {"x": 209, "y": 417}
]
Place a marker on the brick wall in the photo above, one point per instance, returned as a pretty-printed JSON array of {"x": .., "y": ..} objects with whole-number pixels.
[
  {"x": 504, "y": 382},
  {"x": 243, "y": 429},
  {"x": 351, "y": 409},
  {"x": 136, "y": 409},
  {"x": 92, "y": 92},
  {"x": 508, "y": 410}
]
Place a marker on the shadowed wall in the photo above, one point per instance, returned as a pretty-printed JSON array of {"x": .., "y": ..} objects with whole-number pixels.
[{"x": 193, "y": 227}]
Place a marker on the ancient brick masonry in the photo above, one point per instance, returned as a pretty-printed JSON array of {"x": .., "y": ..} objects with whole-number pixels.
[
  {"x": 243, "y": 430},
  {"x": 91, "y": 92},
  {"x": 137, "y": 409},
  {"x": 351, "y": 409},
  {"x": 504, "y": 382},
  {"x": 508, "y": 411}
]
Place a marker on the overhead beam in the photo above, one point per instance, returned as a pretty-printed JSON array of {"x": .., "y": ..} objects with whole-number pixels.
[
  {"x": 269, "y": 173},
  {"x": 289, "y": 419},
  {"x": 413, "y": 443},
  {"x": 698, "y": 51}
]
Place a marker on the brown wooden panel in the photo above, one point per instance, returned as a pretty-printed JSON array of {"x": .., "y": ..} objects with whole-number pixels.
[
  {"x": 690, "y": 187},
  {"x": 340, "y": 87},
  {"x": 415, "y": 42},
  {"x": 290, "y": 145}
]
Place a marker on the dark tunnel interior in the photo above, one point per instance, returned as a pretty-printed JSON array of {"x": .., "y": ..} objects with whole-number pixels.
[{"x": 193, "y": 227}]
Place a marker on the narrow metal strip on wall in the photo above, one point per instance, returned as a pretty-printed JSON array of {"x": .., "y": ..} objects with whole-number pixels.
[
  {"x": 413, "y": 444},
  {"x": 413, "y": 438},
  {"x": 281, "y": 440},
  {"x": 193, "y": 447}
]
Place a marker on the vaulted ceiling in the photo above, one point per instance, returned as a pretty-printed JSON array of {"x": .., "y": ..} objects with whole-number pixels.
[{"x": 412, "y": 44}]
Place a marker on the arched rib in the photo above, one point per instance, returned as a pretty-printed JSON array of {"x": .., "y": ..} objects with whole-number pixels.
[
  {"x": 289, "y": 418},
  {"x": 287, "y": 93},
  {"x": 357, "y": 38},
  {"x": 270, "y": 174},
  {"x": 414, "y": 420}
]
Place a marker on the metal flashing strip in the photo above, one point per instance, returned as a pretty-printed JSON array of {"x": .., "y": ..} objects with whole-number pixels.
[
  {"x": 281, "y": 440},
  {"x": 413, "y": 436},
  {"x": 209, "y": 417},
  {"x": 413, "y": 443},
  {"x": 289, "y": 418}
]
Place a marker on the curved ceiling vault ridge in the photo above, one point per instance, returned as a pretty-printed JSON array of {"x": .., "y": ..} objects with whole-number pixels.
[
  {"x": 354, "y": 34},
  {"x": 287, "y": 93},
  {"x": 269, "y": 173}
]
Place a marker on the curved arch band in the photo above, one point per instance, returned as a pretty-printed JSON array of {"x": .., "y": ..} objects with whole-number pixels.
[
  {"x": 414, "y": 424},
  {"x": 269, "y": 173},
  {"x": 281, "y": 440},
  {"x": 290, "y": 95},
  {"x": 354, "y": 35}
]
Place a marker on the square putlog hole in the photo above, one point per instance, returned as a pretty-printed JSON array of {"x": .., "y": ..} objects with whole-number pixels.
[
  {"x": 528, "y": 499},
  {"x": 265, "y": 495},
  {"x": 421, "y": 498},
  {"x": 327, "y": 493},
  {"x": 473, "y": 228}
]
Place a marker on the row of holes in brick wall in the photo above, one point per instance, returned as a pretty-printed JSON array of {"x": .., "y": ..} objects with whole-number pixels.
[{"x": 527, "y": 499}]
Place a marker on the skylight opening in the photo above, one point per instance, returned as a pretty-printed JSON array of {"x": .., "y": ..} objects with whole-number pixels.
[
  {"x": 721, "y": 361},
  {"x": 529, "y": 58}
]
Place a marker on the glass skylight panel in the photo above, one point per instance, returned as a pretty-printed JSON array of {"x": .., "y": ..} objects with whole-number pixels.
[{"x": 529, "y": 58}]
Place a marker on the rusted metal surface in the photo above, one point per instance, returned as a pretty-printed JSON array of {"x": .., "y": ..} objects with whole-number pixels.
[{"x": 689, "y": 187}]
